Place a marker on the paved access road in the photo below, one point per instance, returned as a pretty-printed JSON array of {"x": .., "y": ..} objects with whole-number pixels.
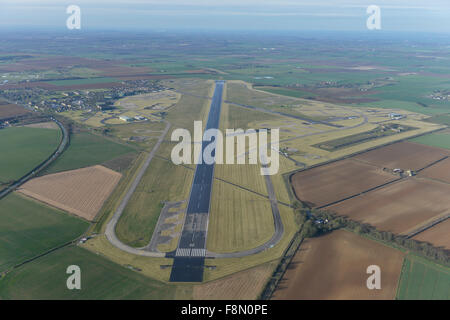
[
  {"x": 111, "y": 227},
  {"x": 190, "y": 255}
]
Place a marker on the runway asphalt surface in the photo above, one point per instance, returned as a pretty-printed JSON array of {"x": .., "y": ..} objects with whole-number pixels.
[{"x": 190, "y": 255}]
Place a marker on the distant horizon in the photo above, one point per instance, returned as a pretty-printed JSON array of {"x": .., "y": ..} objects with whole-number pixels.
[
  {"x": 250, "y": 15},
  {"x": 194, "y": 31}
]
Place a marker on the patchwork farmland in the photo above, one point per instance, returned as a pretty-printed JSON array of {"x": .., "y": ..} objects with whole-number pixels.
[
  {"x": 408, "y": 189},
  {"x": 87, "y": 149},
  {"x": 422, "y": 279},
  {"x": 81, "y": 192},
  {"x": 25, "y": 148},
  {"x": 400, "y": 207},
  {"x": 334, "y": 267},
  {"x": 322, "y": 185},
  {"x": 8, "y": 111},
  {"x": 405, "y": 155},
  {"x": 29, "y": 228}
]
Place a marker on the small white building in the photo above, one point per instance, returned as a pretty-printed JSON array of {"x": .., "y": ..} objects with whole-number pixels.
[
  {"x": 125, "y": 118},
  {"x": 396, "y": 116}
]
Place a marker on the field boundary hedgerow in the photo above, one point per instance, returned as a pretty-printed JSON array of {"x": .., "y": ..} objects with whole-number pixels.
[{"x": 282, "y": 266}]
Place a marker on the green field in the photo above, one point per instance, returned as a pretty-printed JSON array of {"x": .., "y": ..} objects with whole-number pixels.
[
  {"x": 25, "y": 148},
  {"x": 287, "y": 92},
  {"x": 440, "y": 119},
  {"x": 83, "y": 81},
  {"x": 379, "y": 132},
  {"x": 86, "y": 150},
  {"x": 410, "y": 93},
  {"x": 239, "y": 220},
  {"x": 440, "y": 140},
  {"x": 421, "y": 279},
  {"x": 163, "y": 181},
  {"x": 45, "y": 278},
  {"x": 28, "y": 228}
]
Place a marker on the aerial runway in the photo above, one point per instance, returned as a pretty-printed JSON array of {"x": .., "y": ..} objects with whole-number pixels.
[{"x": 189, "y": 258}]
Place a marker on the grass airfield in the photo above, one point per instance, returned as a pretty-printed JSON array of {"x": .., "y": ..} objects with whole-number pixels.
[
  {"x": 240, "y": 215},
  {"x": 236, "y": 181}
]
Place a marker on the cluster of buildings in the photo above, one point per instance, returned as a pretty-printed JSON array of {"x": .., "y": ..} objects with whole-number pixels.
[
  {"x": 440, "y": 95},
  {"x": 60, "y": 101}
]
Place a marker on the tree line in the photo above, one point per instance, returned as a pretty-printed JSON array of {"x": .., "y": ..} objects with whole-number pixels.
[{"x": 317, "y": 222}]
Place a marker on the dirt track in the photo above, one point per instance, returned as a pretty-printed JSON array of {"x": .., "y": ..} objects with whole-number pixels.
[{"x": 334, "y": 267}]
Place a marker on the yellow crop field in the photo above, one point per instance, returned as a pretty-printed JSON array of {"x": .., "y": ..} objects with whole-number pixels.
[{"x": 81, "y": 192}]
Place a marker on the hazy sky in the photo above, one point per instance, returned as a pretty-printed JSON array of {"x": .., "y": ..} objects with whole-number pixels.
[{"x": 396, "y": 15}]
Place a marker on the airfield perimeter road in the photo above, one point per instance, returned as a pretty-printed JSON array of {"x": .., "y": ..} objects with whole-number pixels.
[
  {"x": 111, "y": 227},
  {"x": 43, "y": 165},
  {"x": 278, "y": 224},
  {"x": 190, "y": 254}
]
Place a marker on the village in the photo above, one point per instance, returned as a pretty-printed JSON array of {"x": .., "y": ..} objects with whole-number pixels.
[{"x": 88, "y": 100}]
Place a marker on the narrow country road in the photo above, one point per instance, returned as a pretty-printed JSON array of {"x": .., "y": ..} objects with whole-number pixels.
[{"x": 111, "y": 227}]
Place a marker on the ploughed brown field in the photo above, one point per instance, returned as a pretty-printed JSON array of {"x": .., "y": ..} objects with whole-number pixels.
[
  {"x": 400, "y": 207},
  {"x": 81, "y": 192},
  {"x": 334, "y": 267},
  {"x": 49, "y": 86},
  {"x": 438, "y": 235},
  {"x": 439, "y": 171},
  {"x": 325, "y": 184},
  {"x": 43, "y": 125},
  {"x": 8, "y": 110},
  {"x": 403, "y": 155}
]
